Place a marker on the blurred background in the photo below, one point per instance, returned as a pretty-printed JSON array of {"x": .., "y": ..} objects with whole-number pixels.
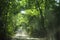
[{"x": 29, "y": 19}]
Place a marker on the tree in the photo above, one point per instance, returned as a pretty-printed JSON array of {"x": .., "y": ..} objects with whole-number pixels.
[
  {"x": 6, "y": 12},
  {"x": 39, "y": 18}
]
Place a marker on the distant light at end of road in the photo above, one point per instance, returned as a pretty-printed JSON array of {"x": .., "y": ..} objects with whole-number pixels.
[{"x": 23, "y": 12}]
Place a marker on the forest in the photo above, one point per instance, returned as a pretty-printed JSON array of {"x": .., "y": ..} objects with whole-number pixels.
[{"x": 29, "y": 19}]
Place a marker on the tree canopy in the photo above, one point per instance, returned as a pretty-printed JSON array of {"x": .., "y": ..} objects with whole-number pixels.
[{"x": 38, "y": 17}]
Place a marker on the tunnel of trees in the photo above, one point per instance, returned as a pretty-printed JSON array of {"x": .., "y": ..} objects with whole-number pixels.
[{"x": 40, "y": 18}]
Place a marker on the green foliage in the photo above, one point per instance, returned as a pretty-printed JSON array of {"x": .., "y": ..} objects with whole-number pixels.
[{"x": 38, "y": 16}]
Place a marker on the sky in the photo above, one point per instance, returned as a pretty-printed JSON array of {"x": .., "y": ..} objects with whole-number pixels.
[{"x": 57, "y": 1}]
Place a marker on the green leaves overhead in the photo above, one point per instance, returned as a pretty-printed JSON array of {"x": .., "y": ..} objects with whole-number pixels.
[
  {"x": 32, "y": 12},
  {"x": 23, "y": 2},
  {"x": 19, "y": 18},
  {"x": 33, "y": 15}
]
